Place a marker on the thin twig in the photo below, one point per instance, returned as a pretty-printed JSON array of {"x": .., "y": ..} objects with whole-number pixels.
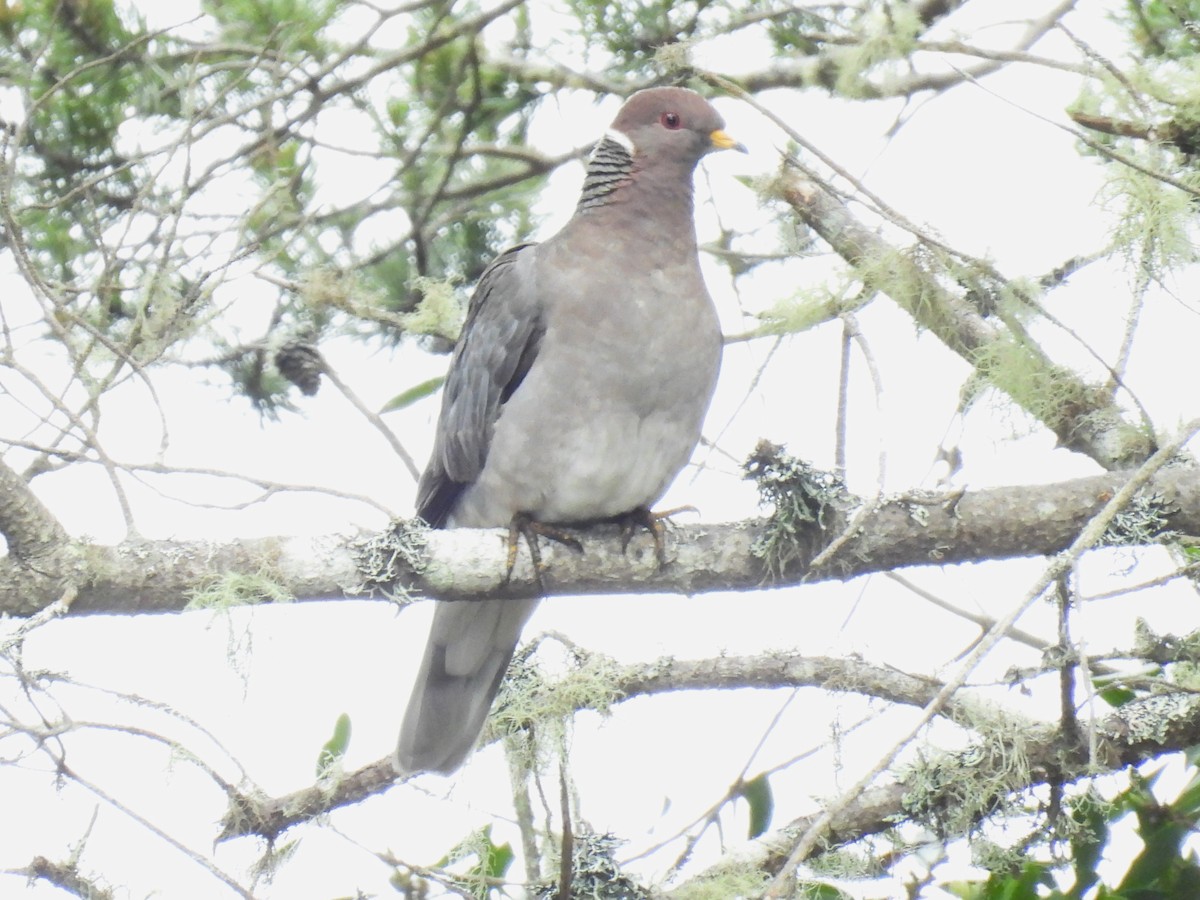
[
  {"x": 1059, "y": 566},
  {"x": 374, "y": 418}
]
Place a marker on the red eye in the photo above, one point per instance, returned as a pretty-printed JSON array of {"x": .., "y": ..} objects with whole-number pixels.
[{"x": 670, "y": 120}]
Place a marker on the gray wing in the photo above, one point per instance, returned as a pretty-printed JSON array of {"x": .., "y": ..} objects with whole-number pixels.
[
  {"x": 498, "y": 344},
  {"x": 471, "y": 643}
]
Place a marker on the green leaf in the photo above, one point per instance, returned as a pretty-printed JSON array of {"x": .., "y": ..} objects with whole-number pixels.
[
  {"x": 499, "y": 858},
  {"x": 819, "y": 890},
  {"x": 965, "y": 890},
  {"x": 1090, "y": 833},
  {"x": 493, "y": 861},
  {"x": 1187, "y": 804},
  {"x": 1117, "y": 696},
  {"x": 1162, "y": 869},
  {"x": 1025, "y": 884},
  {"x": 413, "y": 394},
  {"x": 398, "y": 112},
  {"x": 757, "y": 792},
  {"x": 335, "y": 747}
]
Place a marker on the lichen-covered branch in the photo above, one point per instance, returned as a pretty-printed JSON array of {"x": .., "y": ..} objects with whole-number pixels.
[
  {"x": 598, "y": 682},
  {"x": 1139, "y": 730},
  {"x": 1083, "y": 416},
  {"x": 913, "y": 529},
  {"x": 66, "y": 877},
  {"x": 839, "y": 62}
]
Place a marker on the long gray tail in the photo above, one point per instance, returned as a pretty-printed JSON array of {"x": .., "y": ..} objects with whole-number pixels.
[{"x": 470, "y": 645}]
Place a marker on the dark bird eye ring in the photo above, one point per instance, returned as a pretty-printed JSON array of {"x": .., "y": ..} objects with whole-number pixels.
[{"x": 670, "y": 120}]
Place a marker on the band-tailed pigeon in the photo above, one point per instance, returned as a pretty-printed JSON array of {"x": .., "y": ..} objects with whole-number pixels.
[{"x": 576, "y": 392}]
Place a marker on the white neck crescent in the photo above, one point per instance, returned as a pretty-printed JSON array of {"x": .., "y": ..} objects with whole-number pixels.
[{"x": 620, "y": 137}]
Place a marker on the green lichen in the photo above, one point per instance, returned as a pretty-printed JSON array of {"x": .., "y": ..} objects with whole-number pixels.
[
  {"x": 849, "y": 863},
  {"x": 326, "y": 287},
  {"x": 887, "y": 38},
  {"x": 1052, "y": 394},
  {"x": 439, "y": 312},
  {"x": 675, "y": 56},
  {"x": 955, "y": 792},
  {"x": 232, "y": 589},
  {"x": 903, "y": 275},
  {"x": 723, "y": 883},
  {"x": 537, "y": 711},
  {"x": 1153, "y": 220},
  {"x": 811, "y": 306}
]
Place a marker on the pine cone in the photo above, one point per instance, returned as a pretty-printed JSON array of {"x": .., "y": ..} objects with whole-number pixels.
[{"x": 300, "y": 363}]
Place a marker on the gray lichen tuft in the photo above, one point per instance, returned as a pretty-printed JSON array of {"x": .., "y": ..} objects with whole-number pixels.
[
  {"x": 595, "y": 874},
  {"x": 1146, "y": 520},
  {"x": 385, "y": 559},
  {"x": 1151, "y": 720},
  {"x": 803, "y": 500}
]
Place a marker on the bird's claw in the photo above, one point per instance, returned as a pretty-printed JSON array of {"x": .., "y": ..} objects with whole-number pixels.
[
  {"x": 525, "y": 526},
  {"x": 652, "y": 522}
]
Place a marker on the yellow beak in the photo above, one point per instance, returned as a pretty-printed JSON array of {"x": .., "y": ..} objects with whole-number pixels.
[{"x": 722, "y": 141}]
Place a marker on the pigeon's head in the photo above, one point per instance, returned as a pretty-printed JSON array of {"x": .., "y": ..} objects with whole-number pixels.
[{"x": 670, "y": 124}]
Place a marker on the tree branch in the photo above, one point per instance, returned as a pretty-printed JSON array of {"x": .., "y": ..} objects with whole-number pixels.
[
  {"x": 914, "y": 529},
  {"x": 823, "y": 67},
  {"x": 1137, "y": 731},
  {"x": 269, "y": 817},
  {"x": 1141, "y": 730},
  {"x": 1082, "y": 415},
  {"x": 66, "y": 877},
  {"x": 29, "y": 528}
]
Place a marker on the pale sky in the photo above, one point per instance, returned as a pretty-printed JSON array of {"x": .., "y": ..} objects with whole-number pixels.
[{"x": 984, "y": 166}]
